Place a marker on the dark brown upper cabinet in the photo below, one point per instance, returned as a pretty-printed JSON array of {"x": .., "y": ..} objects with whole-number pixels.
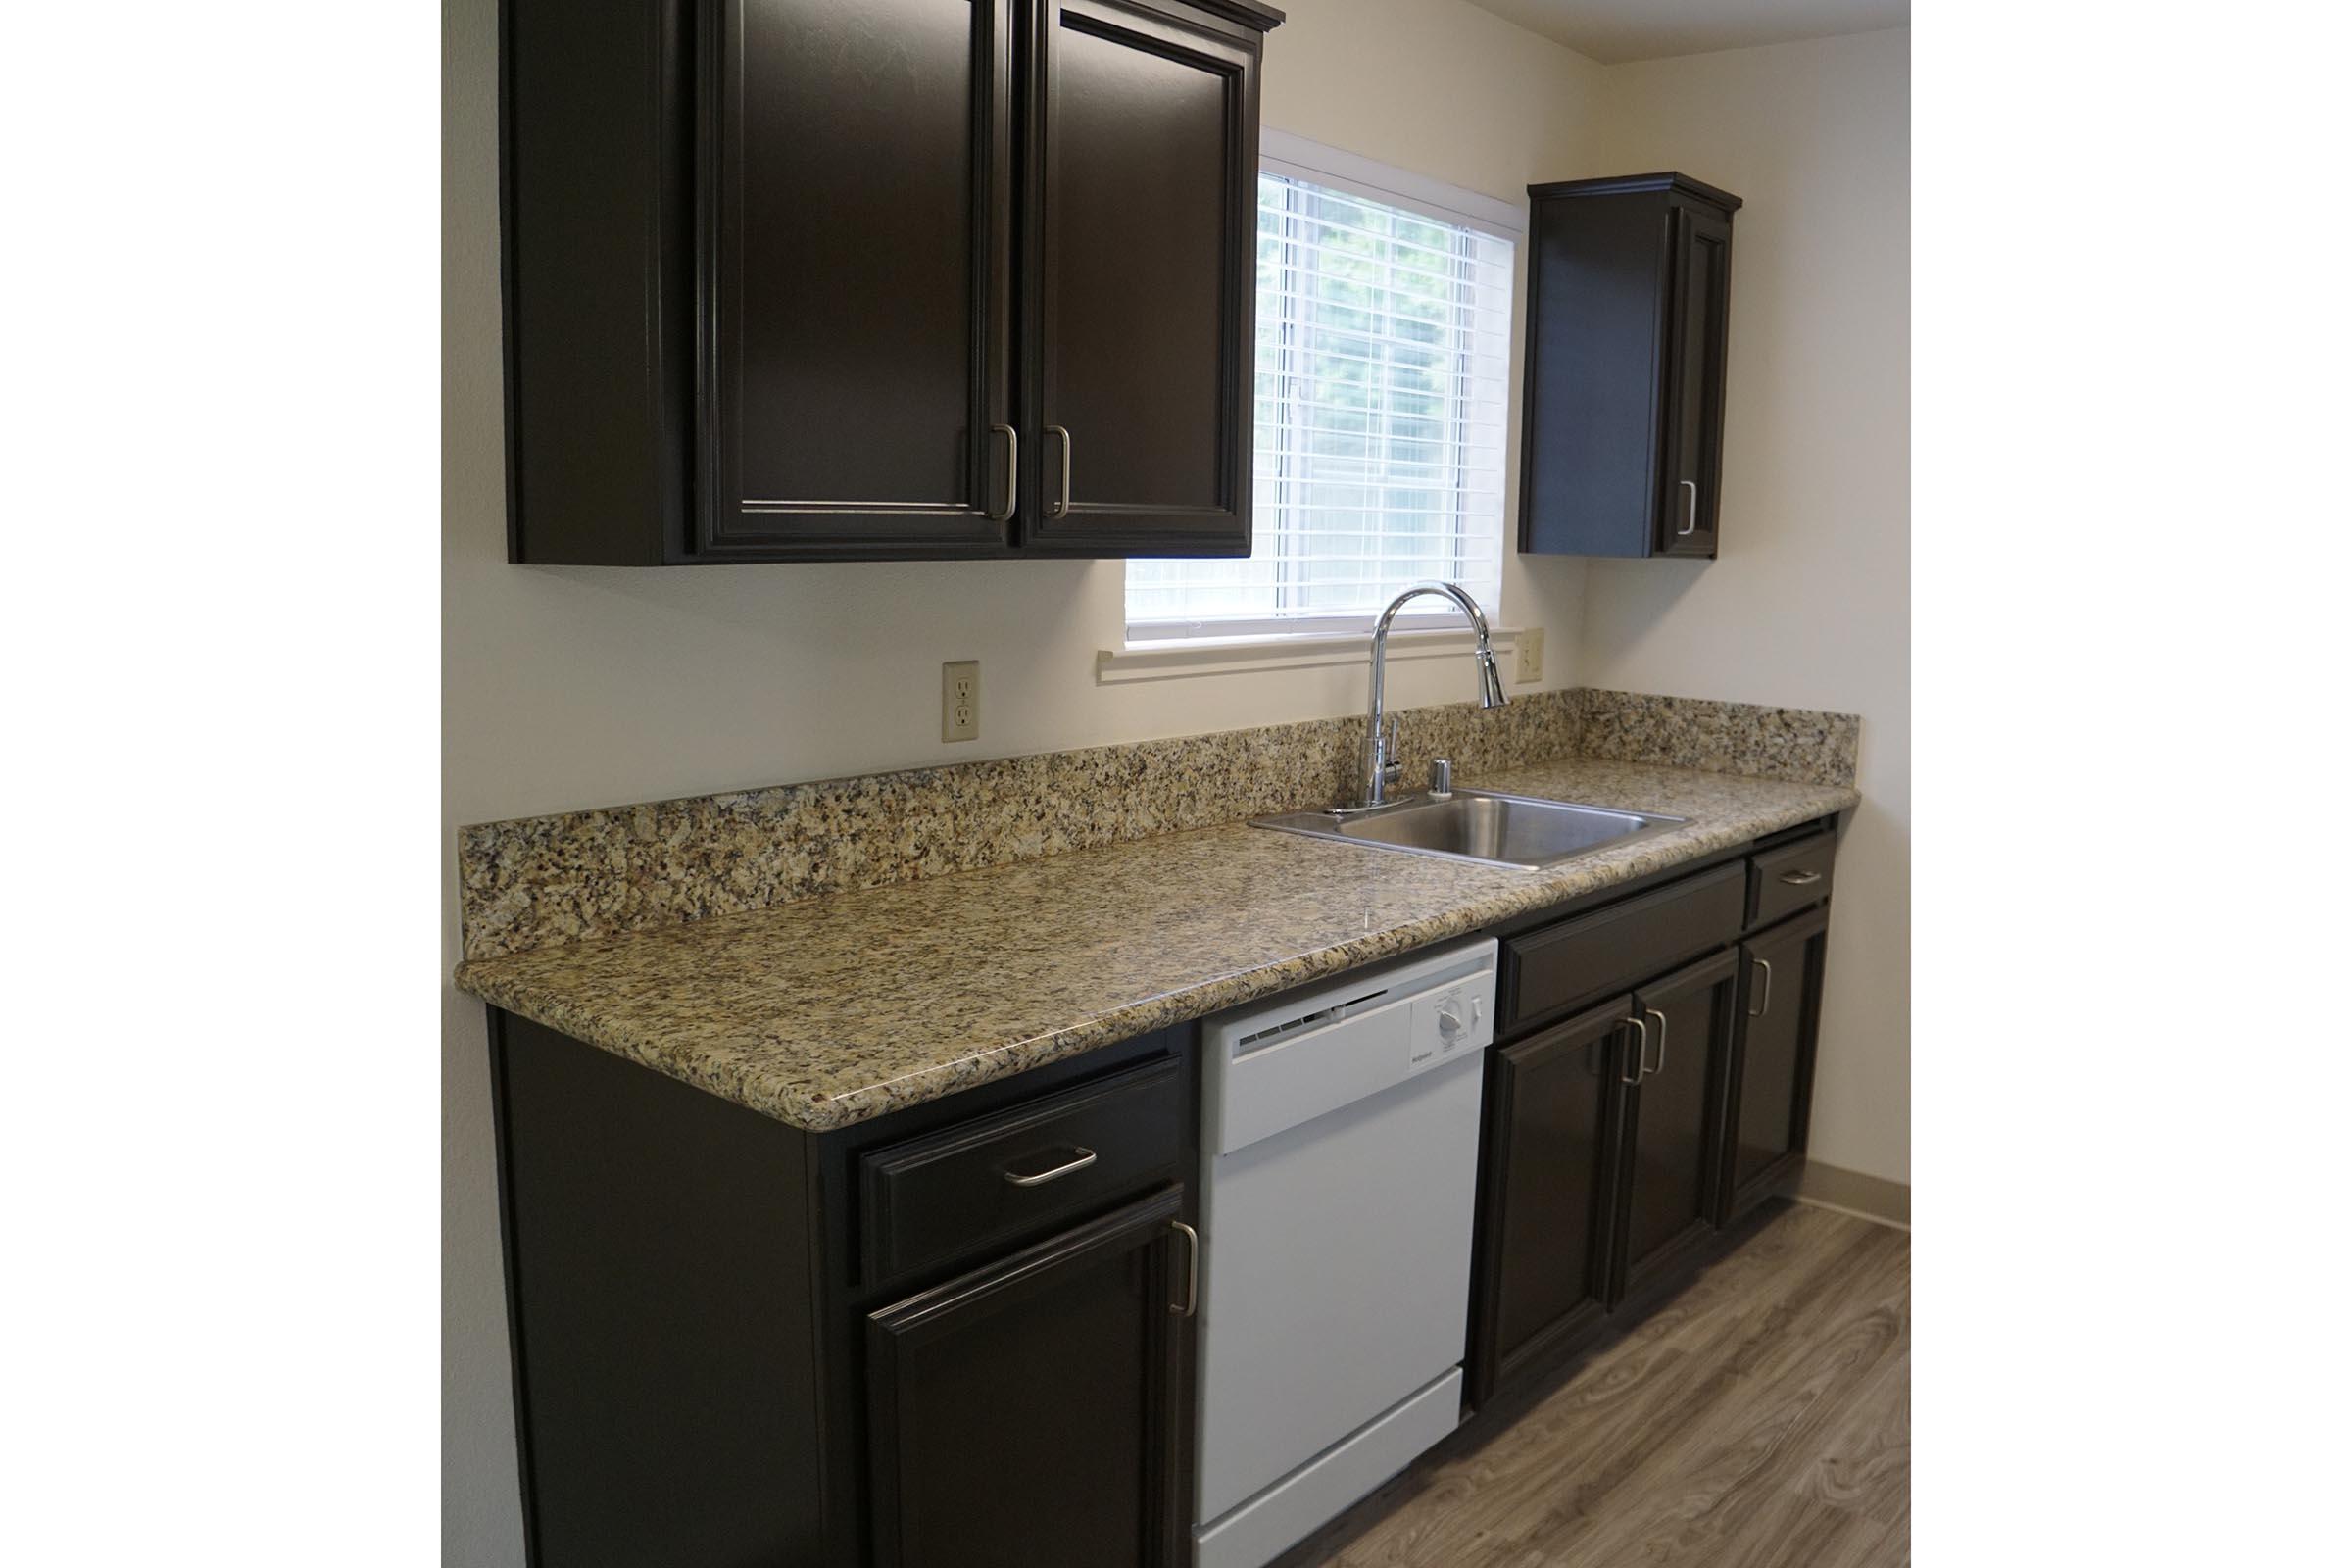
[
  {"x": 1143, "y": 206},
  {"x": 800, "y": 280},
  {"x": 1628, "y": 310}
]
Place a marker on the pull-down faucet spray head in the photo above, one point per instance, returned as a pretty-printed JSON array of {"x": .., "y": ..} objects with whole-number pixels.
[{"x": 1490, "y": 679}]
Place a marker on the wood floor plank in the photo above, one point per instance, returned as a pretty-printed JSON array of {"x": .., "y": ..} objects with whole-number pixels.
[
  {"x": 1759, "y": 1420},
  {"x": 1799, "y": 1373},
  {"x": 1732, "y": 1479},
  {"x": 1865, "y": 1465}
]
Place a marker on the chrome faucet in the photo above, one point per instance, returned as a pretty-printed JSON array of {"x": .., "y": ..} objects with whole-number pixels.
[{"x": 1381, "y": 766}]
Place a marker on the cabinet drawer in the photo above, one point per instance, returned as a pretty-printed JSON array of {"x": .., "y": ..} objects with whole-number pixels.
[
  {"x": 1557, "y": 967},
  {"x": 1792, "y": 877},
  {"x": 1002, "y": 1175}
]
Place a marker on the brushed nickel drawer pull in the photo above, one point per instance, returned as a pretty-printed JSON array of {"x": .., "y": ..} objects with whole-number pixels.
[
  {"x": 1191, "y": 1270},
  {"x": 1013, "y": 470},
  {"x": 1061, "y": 507},
  {"x": 1640, "y": 1059},
  {"x": 1764, "y": 1006},
  {"x": 1691, "y": 523},
  {"x": 1800, "y": 879},
  {"x": 1661, "y": 1017},
  {"x": 1086, "y": 1157}
]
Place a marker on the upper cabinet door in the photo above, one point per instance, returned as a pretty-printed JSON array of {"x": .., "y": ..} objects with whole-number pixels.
[
  {"x": 857, "y": 392},
  {"x": 1143, "y": 214},
  {"x": 1699, "y": 322}
]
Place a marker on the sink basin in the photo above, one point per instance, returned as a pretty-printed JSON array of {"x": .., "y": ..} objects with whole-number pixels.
[{"x": 1509, "y": 830}]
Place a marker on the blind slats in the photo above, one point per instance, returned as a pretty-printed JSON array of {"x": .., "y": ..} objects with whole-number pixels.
[
  {"x": 1279, "y": 215},
  {"x": 1383, "y": 350},
  {"x": 1305, "y": 312},
  {"x": 1393, "y": 261}
]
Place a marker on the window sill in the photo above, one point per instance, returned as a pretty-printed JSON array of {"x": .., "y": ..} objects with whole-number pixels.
[{"x": 1242, "y": 656}]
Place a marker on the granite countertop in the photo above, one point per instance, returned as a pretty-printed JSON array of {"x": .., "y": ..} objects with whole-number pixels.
[{"x": 837, "y": 1008}]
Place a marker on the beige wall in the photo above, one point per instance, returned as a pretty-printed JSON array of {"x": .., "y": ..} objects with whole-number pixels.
[
  {"x": 1809, "y": 603},
  {"x": 569, "y": 687}
]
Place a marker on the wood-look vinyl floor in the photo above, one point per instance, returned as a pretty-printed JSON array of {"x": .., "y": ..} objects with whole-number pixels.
[{"x": 1761, "y": 1419}]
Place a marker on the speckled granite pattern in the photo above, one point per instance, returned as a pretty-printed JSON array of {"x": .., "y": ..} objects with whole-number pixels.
[
  {"x": 584, "y": 875},
  {"x": 825, "y": 1011},
  {"x": 1798, "y": 743}
]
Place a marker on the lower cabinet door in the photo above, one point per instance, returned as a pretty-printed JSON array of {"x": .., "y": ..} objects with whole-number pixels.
[
  {"x": 1772, "y": 1071},
  {"x": 1550, "y": 1194},
  {"x": 1027, "y": 1415},
  {"x": 1670, "y": 1163}
]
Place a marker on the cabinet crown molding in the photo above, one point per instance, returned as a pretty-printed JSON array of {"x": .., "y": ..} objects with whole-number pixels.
[{"x": 1627, "y": 184}]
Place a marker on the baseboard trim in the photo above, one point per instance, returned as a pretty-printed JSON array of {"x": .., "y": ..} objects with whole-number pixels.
[{"x": 1854, "y": 1192}]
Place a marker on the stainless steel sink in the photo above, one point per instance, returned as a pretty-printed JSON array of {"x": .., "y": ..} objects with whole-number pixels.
[{"x": 1512, "y": 830}]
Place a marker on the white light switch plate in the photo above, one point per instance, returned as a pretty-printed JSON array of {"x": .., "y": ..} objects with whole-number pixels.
[
  {"x": 1530, "y": 646},
  {"x": 959, "y": 700}
]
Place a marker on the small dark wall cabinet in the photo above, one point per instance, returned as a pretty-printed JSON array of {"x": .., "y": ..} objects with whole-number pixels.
[
  {"x": 1628, "y": 313},
  {"x": 799, "y": 279}
]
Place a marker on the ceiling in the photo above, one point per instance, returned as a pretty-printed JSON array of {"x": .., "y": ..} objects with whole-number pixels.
[{"x": 1613, "y": 32}]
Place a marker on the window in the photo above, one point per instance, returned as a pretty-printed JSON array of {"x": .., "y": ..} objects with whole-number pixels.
[{"x": 1382, "y": 407}]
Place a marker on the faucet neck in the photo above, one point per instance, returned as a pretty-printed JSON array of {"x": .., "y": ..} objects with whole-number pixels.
[{"x": 1380, "y": 765}]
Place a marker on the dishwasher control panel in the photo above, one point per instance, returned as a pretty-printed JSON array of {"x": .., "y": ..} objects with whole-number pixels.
[
  {"x": 1451, "y": 1022},
  {"x": 1274, "y": 1065}
]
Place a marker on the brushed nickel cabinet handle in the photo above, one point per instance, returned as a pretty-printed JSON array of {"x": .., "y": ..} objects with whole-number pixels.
[
  {"x": 1013, "y": 470},
  {"x": 1060, "y": 506},
  {"x": 1191, "y": 1270},
  {"x": 1640, "y": 1054},
  {"x": 1661, "y": 1017},
  {"x": 1690, "y": 519},
  {"x": 1086, "y": 1157},
  {"x": 1764, "y": 1006},
  {"x": 1800, "y": 879}
]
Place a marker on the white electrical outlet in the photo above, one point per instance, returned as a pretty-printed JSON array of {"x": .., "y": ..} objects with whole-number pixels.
[
  {"x": 1530, "y": 646},
  {"x": 959, "y": 700}
]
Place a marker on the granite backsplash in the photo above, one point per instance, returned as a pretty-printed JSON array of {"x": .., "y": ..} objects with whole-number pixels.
[{"x": 579, "y": 875}]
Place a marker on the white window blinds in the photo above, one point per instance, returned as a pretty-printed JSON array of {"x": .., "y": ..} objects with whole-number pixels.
[{"x": 1383, "y": 352}]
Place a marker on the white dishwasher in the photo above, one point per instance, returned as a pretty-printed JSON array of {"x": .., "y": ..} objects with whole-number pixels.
[{"x": 1339, "y": 1173}]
